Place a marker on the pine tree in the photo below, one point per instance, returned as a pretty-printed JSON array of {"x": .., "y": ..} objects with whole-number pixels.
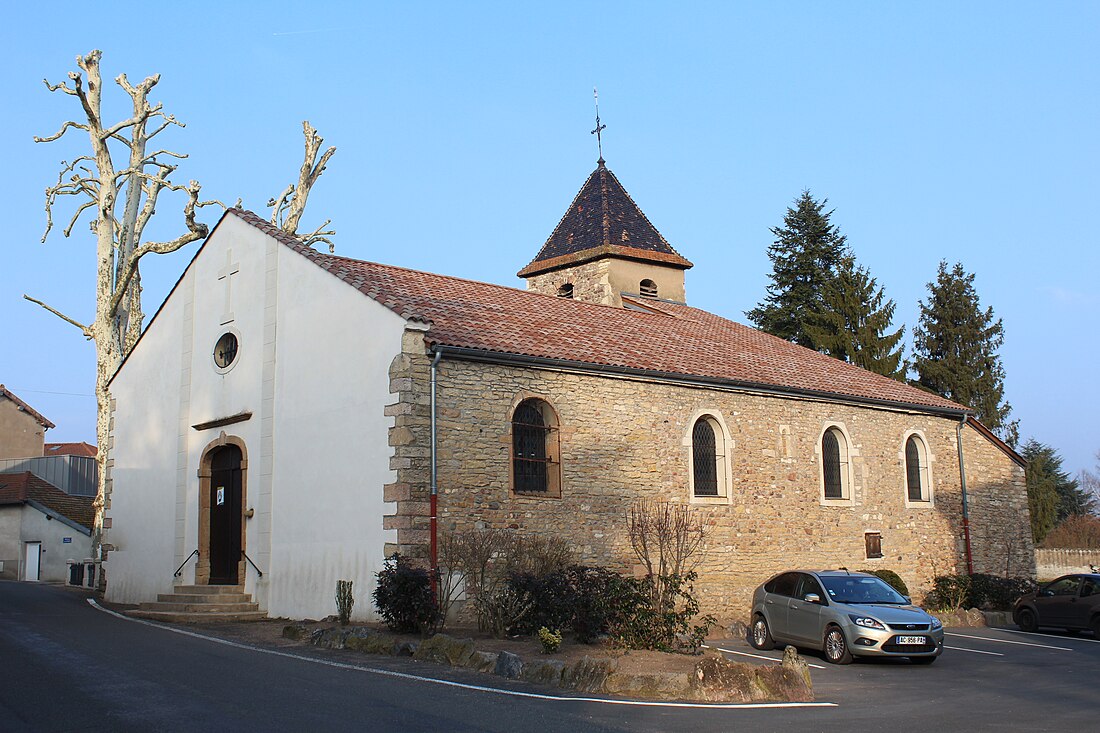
[
  {"x": 805, "y": 255},
  {"x": 853, "y": 325},
  {"x": 955, "y": 350},
  {"x": 1044, "y": 461}
]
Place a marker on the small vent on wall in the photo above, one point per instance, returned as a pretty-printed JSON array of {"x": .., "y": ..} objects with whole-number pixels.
[
  {"x": 647, "y": 289},
  {"x": 566, "y": 291}
]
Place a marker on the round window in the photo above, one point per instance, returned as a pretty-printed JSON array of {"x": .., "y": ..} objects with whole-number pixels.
[{"x": 225, "y": 351}]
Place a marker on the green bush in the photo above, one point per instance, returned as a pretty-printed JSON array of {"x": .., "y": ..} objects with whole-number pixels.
[
  {"x": 987, "y": 592},
  {"x": 892, "y": 579},
  {"x": 551, "y": 640},
  {"x": 403, "y": 596}
]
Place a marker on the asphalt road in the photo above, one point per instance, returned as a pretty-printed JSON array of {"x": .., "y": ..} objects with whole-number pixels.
[{"x": 65, "y": 666}]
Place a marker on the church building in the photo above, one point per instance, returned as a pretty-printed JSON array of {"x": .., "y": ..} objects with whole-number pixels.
[{"x": 290, "y": 418}]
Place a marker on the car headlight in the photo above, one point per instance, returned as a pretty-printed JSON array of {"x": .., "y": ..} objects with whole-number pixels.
[
  {"x": 936, "y": 623},
  {"x": 866, "y": 622}
]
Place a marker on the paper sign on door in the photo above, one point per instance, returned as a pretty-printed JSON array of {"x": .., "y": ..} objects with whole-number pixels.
[{"x": 221, "y": 495}]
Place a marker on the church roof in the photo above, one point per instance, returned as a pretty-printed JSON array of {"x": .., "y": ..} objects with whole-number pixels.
[
  {"x": 603, "y": 221},
  {"x": 21, "y": 488},
  {"x": 664, "y": 338},
  {"x": 24, "y": 407}
]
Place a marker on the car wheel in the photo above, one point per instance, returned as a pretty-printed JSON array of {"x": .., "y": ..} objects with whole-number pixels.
[
  {"x": 1027, "y": 620},
  {"x": 923, "y": 660},
  {"x": 760, "y": 636},
  {"x": 836, "y": 646}
]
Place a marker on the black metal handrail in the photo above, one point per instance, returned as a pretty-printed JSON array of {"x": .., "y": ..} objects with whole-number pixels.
[
  {"x": 179, "y": 570},
  {"x": 258, "y": 571}
]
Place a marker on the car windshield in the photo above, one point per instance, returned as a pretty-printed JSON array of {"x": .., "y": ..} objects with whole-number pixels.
[{"x": 860, "y": 589}]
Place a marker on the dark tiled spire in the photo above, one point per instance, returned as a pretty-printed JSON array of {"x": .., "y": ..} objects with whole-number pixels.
[{"x": 603, "y": 221}]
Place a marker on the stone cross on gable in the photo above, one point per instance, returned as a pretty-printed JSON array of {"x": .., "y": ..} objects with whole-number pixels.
[{"x": 226, "y": 273}]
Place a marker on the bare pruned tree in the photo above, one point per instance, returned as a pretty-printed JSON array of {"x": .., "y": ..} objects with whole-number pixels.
[
  {"x": 119, "y": 182},
  {"x": 287, "y": 208},
  {"x": 668, "y": 539}
]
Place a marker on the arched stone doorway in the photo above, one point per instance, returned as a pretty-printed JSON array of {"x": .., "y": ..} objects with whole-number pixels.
[{"x": 222, "y": 494}]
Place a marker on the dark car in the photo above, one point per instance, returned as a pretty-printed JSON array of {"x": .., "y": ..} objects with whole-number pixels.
[{"x": 1071, "y": 602}]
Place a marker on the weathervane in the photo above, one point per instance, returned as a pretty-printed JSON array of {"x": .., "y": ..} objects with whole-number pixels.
[{"x": 599, "y": 128}]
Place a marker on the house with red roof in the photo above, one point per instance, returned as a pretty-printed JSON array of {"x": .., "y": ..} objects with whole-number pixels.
[
  {"x": 290, "y": 418},
  {"x": 22, "y": 428},
  {"x": 43, "y": 530}
]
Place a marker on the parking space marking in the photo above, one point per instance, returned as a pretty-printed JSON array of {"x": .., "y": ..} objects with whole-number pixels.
[
  {"x": 758, "y": 656},
  {"x": 975, "y": 651},
  {"x": 1007, "y": 641},
  {"x": 1049, "y": 636}
]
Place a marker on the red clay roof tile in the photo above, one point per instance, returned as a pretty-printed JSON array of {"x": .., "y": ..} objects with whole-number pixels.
[{"x": 19, "y": 488}]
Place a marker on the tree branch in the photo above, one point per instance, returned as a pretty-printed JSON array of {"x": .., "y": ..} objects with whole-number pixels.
[
  {"x": 87, "y": 331},
  {"x": 57, "y": 135}
]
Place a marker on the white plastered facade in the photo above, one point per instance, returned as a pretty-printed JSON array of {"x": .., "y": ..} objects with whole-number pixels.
[{"x": 312, "y": 377}]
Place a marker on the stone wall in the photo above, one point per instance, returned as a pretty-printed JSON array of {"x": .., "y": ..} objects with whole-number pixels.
[
  {"x": 624, "y": 439},
  {"x": 591, "y": 282},
  {"x": 1000, "y": 525},
  {"x": 1049, "y": 564}
]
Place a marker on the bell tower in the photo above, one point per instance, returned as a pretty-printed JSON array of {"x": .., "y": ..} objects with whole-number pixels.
[{"x": 604, "y": 247}]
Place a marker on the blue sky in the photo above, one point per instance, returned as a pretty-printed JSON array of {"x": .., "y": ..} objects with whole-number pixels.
[{"x": 965, "y": 132}]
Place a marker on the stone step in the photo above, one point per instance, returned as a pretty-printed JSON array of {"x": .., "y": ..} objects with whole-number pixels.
[
  {"x": 208, "y": 589},
  {"x": 204, "y": 597},
  {"x": 200, "y": 607},
  {"x": 179, "y": 617}
]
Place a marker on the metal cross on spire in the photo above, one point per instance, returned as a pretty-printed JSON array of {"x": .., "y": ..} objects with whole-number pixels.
[{"x": 599, "y": 128}]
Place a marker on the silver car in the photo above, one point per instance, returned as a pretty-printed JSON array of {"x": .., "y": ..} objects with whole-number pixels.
[{"x": 843, "y": 614}]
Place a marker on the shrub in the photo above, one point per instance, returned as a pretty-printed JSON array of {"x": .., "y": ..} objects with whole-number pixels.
[
  {"x": 892, "y": 579},
  {"x": 345, "y": 601},
  {"x": 987, "y": 592},
  {"x": 1081, "y": 532},
  {"x": 637, "y": 621},
  {"x": 403, "y": 596},
  {"x": 551, "y": 640},
  {"x": 949, "y": 592}
]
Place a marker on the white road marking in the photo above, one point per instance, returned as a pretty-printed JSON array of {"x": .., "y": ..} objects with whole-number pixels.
[
  {"x": 976, "y": 651},
  {"x": 1006, "y": 641},
  {"x": 758, "y": 656},
  {"x": 1048, "y": 636},
  {"x": 463, "y": 685}
]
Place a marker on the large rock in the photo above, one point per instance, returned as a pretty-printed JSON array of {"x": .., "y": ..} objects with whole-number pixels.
[
  {"x": 295, "y": 632},
  {"x": 650, "y": 685},
  {"x": 717, "y": 679},
  {"x": 445, "y": 649},
  {"x": 544, "y": 671},
  {"x": 588, "y": 675},
  {"x": 369, "y": 641},
  {"x": 482, "y": 661},
  {"x": 508, "y": 665},
  {"x": 795, "y": 663}
]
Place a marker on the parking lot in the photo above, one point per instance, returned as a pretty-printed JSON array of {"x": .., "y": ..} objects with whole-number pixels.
[{"x": 986, "y": 679}]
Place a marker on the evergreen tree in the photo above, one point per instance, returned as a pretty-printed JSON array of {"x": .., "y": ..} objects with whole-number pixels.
[
  {"x": 805, "y": 255},
  {"x": 955, "y": 350},
  {"x": 853, "y": 325},
  {"x": 1045, "y": 461},
  {"x": 1042, "y": 498}
]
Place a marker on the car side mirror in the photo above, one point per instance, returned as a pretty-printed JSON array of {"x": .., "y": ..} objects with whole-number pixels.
[
  {"x": 908, "y": 600},
  {"x": 1046, "y": 593},
  {"x": 812, "y": 598}
]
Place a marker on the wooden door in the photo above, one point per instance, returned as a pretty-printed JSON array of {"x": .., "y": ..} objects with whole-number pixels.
[{"x": 225, "y": 516}]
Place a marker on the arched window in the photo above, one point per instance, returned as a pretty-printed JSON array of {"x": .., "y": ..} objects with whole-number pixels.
[
  {"x": 535, "y": 464},
  {"x": 647, "y": 288},
  {"x": 916, "y": 470},
  {"x": 566, "y": 291},
  {"x": 704, "y": 457},
  {"x": 708, "y": 442},
  {"x": 834, "y": 464}
]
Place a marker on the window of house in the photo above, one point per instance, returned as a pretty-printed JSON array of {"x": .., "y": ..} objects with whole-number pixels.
[
  {"x": 535, "y": 461},
  {"x": 916, "y": 470},
  {"x": 709, "y": 465},
  {"x": 566, "y": 291},
  {"x": 873, "y": 541},
  {"x": 647, "y": 288},
  {"x": 834, "y": 464}
]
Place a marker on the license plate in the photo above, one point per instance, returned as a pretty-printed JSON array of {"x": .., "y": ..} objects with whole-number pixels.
[{"x": 912, "y": 640}]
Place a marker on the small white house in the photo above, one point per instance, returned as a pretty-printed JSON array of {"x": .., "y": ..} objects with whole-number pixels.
[{"x": 43, "y": 530}]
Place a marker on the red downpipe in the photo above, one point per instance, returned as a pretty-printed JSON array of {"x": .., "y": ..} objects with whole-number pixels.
[
  {"x": 965, "y": 500},
  {"x": 433, "y": 501}
]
